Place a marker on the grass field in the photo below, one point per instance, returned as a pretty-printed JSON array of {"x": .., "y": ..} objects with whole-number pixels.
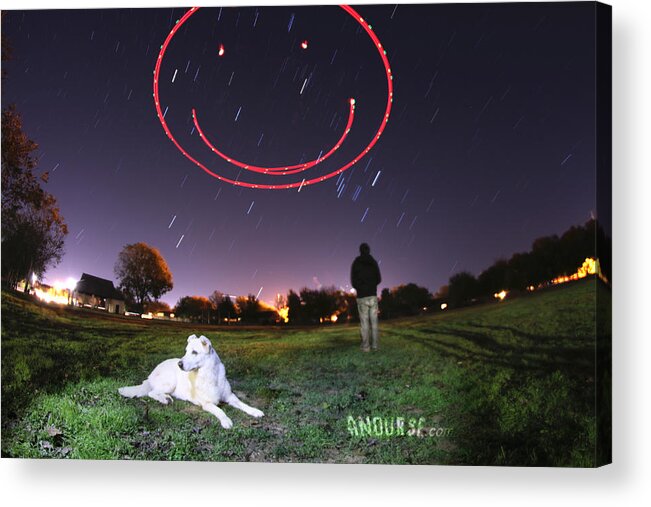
[{"x": 501, "y": 384}]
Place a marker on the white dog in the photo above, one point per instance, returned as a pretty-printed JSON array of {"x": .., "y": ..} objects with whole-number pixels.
[{"x": 198, "y": 377}]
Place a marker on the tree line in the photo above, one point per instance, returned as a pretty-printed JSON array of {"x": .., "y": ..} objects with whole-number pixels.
[
  {"x": 327, "y": 305},
  {"x": 144, "y": 276},
  {"x": 220, "y": 308},
  {"x": 549, "y": 257}
]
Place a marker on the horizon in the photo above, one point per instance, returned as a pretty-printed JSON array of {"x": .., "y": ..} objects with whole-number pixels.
[{"x": 297, "y": 290}]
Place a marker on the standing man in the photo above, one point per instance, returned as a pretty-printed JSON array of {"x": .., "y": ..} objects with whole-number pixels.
[{"x": 365, "y": 277}]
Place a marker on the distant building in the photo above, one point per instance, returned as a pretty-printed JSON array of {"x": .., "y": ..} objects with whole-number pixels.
[{"x": 94, "y": 292}]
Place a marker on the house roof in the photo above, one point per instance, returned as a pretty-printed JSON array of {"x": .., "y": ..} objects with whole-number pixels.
[{"x": 96, "y": 286}]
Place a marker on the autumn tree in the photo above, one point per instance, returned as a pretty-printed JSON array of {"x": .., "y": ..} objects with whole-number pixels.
[
  {"x": 143, "y": 274},
  {"x": 33, "y": 230}
]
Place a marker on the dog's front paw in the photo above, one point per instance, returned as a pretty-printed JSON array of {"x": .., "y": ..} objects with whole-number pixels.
[
  {"x": 256, "y": 413},
  {"x": 226, "y": 423}
]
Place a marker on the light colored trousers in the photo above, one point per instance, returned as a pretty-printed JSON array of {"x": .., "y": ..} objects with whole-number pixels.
[{"x": 368, "y": 312}]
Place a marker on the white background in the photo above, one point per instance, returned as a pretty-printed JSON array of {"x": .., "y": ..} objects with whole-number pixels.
[{"x": 626, "y": 482}]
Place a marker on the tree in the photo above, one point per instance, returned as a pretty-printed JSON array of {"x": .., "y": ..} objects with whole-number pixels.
[
  {"x": 521, "y": 267},
  {"x": 295, "y": 308},
  {"x": 216, "y": 299},
  {"x": 349, "y": 311},
  {"x": 495, "y": 278},
  {"x": 411, "y": 298},
  {"x": 31, "y": 245},
  {"x": 33, "y": 230},
  {"x": 546, "y": 256},
  {"x": 195, "y": 308},
  {"x": 250, "y": 308},
  {"x": 143, "y": 274},
  {"x": 404, "y": 300},
  {"x": 227, "y": 308},
  {"x": 222, "y": 306},
  {"x": 319, "y": 304},
  {"x": 387, "y": 304},
  {"x": 462, "y": 289},
  {"x": 575, "y": 245}
]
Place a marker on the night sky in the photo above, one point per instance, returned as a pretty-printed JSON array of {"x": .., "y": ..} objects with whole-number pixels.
[{"x": 490, "y": 143}]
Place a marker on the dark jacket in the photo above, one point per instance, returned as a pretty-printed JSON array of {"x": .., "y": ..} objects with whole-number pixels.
[{"x": 365, "y": 276}]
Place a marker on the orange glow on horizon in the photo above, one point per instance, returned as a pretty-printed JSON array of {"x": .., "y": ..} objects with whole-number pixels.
[{"x": 590, "y": 267}]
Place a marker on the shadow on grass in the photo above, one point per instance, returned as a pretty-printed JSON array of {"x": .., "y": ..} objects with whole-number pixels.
[
  {"x": 482, "y": 347},
  {"x": 519, "y": 403}
]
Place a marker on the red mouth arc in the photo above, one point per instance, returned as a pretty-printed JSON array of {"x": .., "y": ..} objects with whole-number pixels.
[
  {"x": 289, "y": 169},
  {"x": 282, "y": 170}
]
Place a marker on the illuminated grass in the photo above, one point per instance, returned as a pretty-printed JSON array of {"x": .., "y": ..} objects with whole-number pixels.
[{"x": 512, "y": 382}]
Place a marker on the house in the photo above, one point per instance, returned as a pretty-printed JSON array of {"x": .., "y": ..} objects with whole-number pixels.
[{"x": 95, "y": 292}]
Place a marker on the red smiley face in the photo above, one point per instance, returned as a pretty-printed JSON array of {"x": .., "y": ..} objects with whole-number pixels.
[{"x": 286, "y": 169}]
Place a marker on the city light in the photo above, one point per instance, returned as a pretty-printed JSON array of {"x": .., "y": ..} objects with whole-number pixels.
[
  {"x": 283, "y": 313},
  {"x": 48, "y": 294},
  {"x": 500, "y": 295}
]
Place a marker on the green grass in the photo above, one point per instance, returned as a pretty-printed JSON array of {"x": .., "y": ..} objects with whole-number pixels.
[{"x": 511, "y": 383}]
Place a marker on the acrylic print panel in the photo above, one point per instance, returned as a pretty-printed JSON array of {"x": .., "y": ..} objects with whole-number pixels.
[{"x": 340, "y": 234}]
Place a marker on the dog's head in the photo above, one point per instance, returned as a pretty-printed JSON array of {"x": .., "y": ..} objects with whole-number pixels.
[{"x": 197, "y": 352}]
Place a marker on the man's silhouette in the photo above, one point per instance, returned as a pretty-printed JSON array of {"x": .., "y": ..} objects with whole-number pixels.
[{"x": 365, "y": 277}]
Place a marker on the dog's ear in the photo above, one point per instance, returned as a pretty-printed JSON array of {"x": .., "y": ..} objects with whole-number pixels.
[
  {"x": 192, "y": 337},
  {"x": 205, "y": 342}
]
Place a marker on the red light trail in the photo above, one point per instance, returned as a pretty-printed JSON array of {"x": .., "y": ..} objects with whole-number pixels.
[
  {"x": 290, "y": 169},
  {"x": 284, "y": 170}
]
